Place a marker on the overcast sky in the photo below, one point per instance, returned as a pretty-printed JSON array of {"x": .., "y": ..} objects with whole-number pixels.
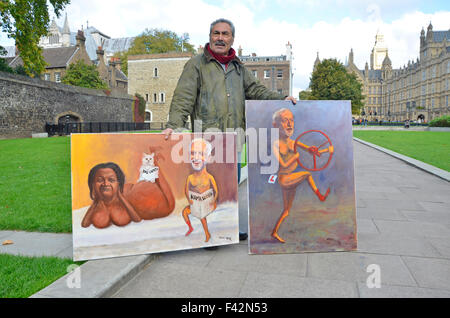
[{"x": 330, "y": 27}]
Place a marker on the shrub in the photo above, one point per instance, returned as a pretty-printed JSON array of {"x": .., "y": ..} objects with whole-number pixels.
[{"x": 443, "y": 121}]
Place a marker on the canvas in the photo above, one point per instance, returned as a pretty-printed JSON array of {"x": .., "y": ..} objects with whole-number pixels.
[
  {"x": 301, "y": 190},
  {"x": 139, "y": 193}
]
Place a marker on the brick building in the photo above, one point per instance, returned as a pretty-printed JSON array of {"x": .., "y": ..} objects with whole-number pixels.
[{"x": 275, "y": 72}]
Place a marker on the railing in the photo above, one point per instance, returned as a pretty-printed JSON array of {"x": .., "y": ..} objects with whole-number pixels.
[
  {"x": 100, "y": 127},
  {"x": 387, "y": 123}
]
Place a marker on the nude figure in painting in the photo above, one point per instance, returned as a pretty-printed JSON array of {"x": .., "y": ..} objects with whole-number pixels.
[
  {"x": 284, "y": 151},
  {"x": 201, "y": 188},
  {"x": 106, "y": 183}
]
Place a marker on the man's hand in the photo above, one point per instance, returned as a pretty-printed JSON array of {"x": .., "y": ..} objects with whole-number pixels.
[
  {"x": 167, "y": 132},
  {"x": 292, "y": 99}
]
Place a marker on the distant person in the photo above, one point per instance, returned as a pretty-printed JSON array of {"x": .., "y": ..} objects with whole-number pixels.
[{"x": 213, "y": 88}]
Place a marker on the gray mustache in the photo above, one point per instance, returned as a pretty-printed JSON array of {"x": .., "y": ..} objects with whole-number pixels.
[{"x": 219, "y": 42}]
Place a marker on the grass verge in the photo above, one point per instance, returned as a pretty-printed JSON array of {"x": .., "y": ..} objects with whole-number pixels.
[
  {"x": 22, "y": 276},
  {"x": 431, "y": 147},
  {"x": 35, "y": 185}
]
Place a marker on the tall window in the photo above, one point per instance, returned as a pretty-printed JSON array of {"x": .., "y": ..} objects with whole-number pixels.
[
  {"x": 57, "y": 77},
  {"x": 155, "y": 98},
  {"x": 255, "y": 73},
  {"x": 155, "y": 72},
  {"x": 279, "y": 73},
  {"x": 162, "y": 97},
  {"x": 47, "y": 76},
  {"x": 266, "y": 73}
]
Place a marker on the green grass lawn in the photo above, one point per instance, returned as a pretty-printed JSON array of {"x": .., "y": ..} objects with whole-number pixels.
[
  {"x": 24, "y": 276},
  {"x": 35, "y": 185},
  {"x": 431, "y": 147}
]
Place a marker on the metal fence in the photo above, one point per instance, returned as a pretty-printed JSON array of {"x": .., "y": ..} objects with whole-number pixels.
[
  {"x": 387, "y": 123},
  {"x": 99, "y": 127}
]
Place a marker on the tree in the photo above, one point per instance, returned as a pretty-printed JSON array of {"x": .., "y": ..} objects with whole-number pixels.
[
  {"x": 331, "y": 81},
  {"x": 83, "y": 75},
  {"x": 304, "y": 95},
  {"x": 27, "y": 21},
  {"x": 156, "y": 41}
]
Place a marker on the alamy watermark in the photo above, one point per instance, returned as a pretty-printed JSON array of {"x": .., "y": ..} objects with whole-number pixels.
[
  {"x": 374, "y": 279},
  {"x": 73, "y": 280}
]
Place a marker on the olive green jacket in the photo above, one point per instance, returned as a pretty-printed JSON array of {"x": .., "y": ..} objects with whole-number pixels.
[{"x": 216, "y": 97}]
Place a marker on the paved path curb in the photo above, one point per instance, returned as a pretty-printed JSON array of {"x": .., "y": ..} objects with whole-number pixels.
[
  {"x": 416, "y": 163},
  {"x": 99, "y": 278}
]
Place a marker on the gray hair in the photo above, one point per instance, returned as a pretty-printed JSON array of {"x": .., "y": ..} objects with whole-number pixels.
[
  {"x": 276, "y": 116},
  {"x": 222, "y": 21}
]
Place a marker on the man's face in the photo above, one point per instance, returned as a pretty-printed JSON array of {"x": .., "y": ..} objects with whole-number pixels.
[
  {"x": 286, "y": 123},
  {"x": 198, "y": 155},
  {"x": 106, "y": 184},
  {"x": 221, "y": 38}
]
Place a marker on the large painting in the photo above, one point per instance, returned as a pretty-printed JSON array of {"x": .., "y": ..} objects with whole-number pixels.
[
  {"x": 301, "y": 189},
  {"x": 139, "y": 193}
]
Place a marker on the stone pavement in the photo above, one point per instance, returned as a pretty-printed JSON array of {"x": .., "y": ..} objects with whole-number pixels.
[{"x": 403, "y": 219}]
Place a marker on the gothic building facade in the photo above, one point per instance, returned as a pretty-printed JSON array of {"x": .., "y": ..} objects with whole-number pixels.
[{"x": 417, "y": 91}]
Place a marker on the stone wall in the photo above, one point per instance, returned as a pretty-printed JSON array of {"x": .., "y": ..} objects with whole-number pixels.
[{"x": 27, "y": 104}]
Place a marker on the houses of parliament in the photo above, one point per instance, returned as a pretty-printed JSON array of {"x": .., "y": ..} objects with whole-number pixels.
[{"x": 418, "y": 91}]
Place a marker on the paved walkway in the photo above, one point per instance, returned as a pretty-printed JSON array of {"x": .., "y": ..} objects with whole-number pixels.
[{"x": 403, "y": 218}]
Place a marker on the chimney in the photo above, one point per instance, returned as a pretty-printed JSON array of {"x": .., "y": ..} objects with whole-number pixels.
[
  {"x": 100, "y": 54},
  {"x": 113, "y": 73},
  {"x": 81, "y": 39},
  {"x": 118, "y": 64},
  {"x": 240, "y": 51}
]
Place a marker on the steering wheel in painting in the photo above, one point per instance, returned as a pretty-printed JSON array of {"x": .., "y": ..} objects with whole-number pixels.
[{"x": 315, "y": 151}]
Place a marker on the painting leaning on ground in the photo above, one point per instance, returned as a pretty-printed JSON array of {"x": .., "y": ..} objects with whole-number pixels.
[
  {"x": 308, "y": 203},
  {"x": 138, "y": 193}
]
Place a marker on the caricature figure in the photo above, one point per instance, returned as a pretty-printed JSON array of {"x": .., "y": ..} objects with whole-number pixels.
[
  {"x": 284, "y": 151},
  {"x": 201, "y": 188},
  {"x": 106, "y": 182}
]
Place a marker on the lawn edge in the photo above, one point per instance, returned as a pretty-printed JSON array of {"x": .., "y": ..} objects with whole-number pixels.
[{"x": 443, "y": 174}]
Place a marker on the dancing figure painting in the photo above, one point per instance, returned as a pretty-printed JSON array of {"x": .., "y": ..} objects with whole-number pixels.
[
  {"x": 139, "y": 193},
  {"x": 301, "y": 189}
]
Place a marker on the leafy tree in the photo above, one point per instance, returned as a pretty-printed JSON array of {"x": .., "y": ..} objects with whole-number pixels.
[
  {"x": 156, "y": 41},
  {"x": 27, "y": 21},
  {"x": 331, "y": 81},
  {"x": 83, "y": 75},
  {"x": 304, "y": 95}
]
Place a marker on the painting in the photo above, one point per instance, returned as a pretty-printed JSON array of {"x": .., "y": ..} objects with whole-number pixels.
[
  {"x": 138, "y": 193},
  {"x": 301, "y": 188}
]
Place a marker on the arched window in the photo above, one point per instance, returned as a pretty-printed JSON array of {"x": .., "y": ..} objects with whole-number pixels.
[
  {"x": 148, "y": 116},
  {"x": 155, "y": 72}
]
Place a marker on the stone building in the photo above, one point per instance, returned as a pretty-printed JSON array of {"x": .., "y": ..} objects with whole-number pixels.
[
  {"x": 417, "y": 91},
  {"x": 59, "y": 59},
  {"x": 155, "y": 77},
  {"x": 275, "y": 72}
]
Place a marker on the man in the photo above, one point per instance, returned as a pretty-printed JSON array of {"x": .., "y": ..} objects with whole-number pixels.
[
  {"x": 213, "y": 88},
  {"x": 201, "y": 188}
]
